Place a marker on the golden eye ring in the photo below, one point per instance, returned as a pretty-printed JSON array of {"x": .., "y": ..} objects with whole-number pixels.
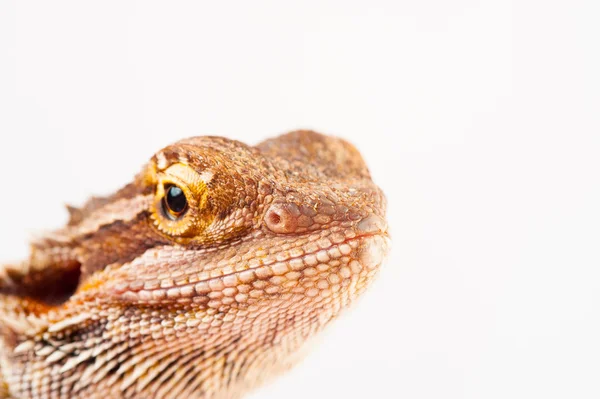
[{"x": 180, "y": 208}]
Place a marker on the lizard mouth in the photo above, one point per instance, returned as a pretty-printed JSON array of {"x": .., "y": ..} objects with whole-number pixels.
[{"x": 340, "y": 258}]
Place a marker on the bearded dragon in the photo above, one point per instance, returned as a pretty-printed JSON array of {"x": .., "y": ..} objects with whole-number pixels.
[{"x": 205, "y": 276}]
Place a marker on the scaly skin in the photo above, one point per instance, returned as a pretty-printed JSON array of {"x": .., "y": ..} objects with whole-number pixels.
[{"x": 133, "y": 300}]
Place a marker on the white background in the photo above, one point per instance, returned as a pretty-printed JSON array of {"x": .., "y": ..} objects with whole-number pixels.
[{"x": 480, "y": 120}]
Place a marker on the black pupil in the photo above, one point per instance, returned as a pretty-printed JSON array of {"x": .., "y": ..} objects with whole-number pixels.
[{"x": 176, "y": 201}]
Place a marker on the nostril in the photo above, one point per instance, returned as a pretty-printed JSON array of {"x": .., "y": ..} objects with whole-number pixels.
[
  {"x": 282, "y": 218},
  {"x": 274, "y": 218}
]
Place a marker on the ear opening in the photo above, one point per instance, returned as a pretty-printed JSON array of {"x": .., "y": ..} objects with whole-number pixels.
[{"x": 51, "y": 286}]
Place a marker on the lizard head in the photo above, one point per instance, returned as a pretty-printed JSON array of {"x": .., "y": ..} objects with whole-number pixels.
[{"x": 229, "y": 255}]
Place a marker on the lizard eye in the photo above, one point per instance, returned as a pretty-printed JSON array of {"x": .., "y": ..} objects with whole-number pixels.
[
  {"x": 180, "y": 207},
  {"x": 174, "y": 202}
]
